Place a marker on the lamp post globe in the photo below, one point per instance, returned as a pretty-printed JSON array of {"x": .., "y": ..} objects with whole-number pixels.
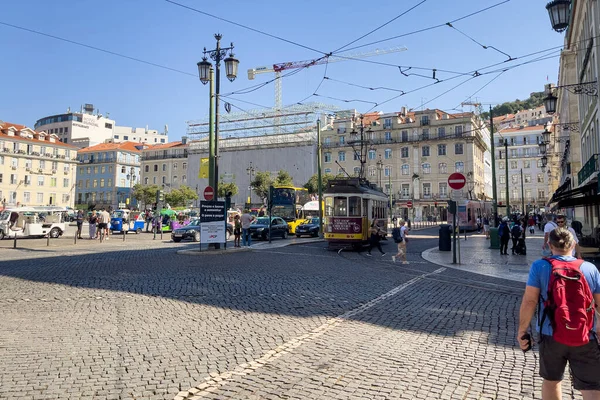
[
  {"x": 550, "y": 103},
  {"x": 204, "y": 67},
  {"x": 559, "y": 12},
  {"x": 544, "y": 161},
  {"x": 542, "y": 147},
  {"x": 231, "y": 66}
]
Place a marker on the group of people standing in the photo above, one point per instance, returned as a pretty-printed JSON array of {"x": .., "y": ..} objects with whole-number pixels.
[{"x": 99, "y": 222}]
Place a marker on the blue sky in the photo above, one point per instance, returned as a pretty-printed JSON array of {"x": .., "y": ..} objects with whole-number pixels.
[{"x": 43, "y": 76}]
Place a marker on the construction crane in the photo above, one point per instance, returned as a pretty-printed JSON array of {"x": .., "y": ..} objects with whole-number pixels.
[{"x": 278, "y": 68}]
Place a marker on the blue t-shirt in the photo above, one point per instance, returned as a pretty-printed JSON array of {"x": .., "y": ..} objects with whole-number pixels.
[{"x": 539, "y": 277}]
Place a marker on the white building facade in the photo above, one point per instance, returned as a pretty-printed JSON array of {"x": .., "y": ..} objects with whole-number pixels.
[{"x": 88, "y": 128}]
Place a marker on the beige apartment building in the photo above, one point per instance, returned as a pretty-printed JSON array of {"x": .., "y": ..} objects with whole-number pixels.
[
  {"x": 36, "y": 169},
  {"x": 410, "y": 156},
  {"x": 165, "y": 165}
]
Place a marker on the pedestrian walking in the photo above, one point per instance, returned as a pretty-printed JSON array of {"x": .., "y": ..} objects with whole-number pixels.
[
  {"x": 93, "y": 221},
  {"x": 375, "y": 239},
  {"x": 504, "y": 234},
  {"x": 515, "y": 233},
  {"x": 79, "y": 220},
  {"x": 486, "y": 226},
  {"x": 531, "y": 224},
  {"x": 237, "y": 230},
  {"x": 478, "y": 220},
  {"x": 246, "y": 220},
  {"x": 148, "y": 220},
  {"x": 400, "y": 237},
  {"x": 548, "y": 227},
  {"x": 566, "y": 289}
]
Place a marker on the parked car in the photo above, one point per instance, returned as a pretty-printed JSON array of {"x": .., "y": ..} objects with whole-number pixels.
[
  {"x": 192, "y": 231},
  {"x": 310, "y": 228},
  {"x": 259, "y": 229}
]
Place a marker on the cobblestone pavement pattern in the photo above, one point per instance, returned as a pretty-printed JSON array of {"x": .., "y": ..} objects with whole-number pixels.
[{"x": 140, "y": 321}]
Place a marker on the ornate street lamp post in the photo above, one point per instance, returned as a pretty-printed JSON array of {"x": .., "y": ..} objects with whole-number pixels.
[
  {"x": 379, "y": 169},
  {"x": 204, "y": 71},
  {"x": 559, "y": 12},
  {"x": 250, "y": 171}
]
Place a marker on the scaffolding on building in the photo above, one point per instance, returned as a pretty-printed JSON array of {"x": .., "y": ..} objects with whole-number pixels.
[{"x": 263, "y": 122}]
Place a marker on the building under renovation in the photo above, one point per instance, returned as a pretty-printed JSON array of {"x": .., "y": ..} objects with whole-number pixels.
[{"x": 258, "y": 140}]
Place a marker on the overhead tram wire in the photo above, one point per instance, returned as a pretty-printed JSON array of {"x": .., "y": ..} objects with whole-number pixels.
[
  {"x": 481, "y": 88},
  {"x": 245, "y": 27},
  {"x": 426, "y": 29},
  {"x": 480, "y": 44},
  {"x": 113, "y": 53},
  {"x": 381, "y": 26}
]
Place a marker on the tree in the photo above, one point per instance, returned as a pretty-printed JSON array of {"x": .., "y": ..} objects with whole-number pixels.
[
  {"x": 180, "y": 197},
  {"x": 284, "y": 179},
  {"x": 227, "y": 187},
  {"x": 535, "y": 99},
  {"x": 313, "y": 183},
  {"x": 260, "y": 184},
  {"x": 145, "y": 194}
]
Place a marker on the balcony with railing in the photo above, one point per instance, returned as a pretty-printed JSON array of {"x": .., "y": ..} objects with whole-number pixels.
[
  {"x": 163, "y": 156},
  {"x": 588, "y": 169}
]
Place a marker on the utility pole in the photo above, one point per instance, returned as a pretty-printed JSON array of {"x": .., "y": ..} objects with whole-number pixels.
[
  {"x": 522, "y": 195},
  {"x": 507, "y": 183},
  {"x": 211, "y": 130},
  {"x": 319, "y": 179},
  {"x": 494, "y": 192}
]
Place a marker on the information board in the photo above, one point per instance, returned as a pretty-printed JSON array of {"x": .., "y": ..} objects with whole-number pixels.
[{"x": 212, "y": 222}]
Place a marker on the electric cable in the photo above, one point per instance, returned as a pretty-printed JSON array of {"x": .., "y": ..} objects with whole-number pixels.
[
  {"x": 363, "y": 87},
  {"x": 380, "y": 26},
  {"x": 428, "y": 28},
  {"x": 114, "y": 53},
  {"x": 245, "y": 27},
  {"x": 480, "y": 44},
  {"x": 481, "y": 88}
]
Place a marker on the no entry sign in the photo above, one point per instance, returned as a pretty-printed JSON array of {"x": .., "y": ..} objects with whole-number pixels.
[
  {"x": 457, "y": 181},
  {"x": 209, "y": 193},
  {"x": 409, "y": 204}
]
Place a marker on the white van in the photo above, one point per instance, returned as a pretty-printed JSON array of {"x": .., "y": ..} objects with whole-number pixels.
[{"x": 32, "y": 222}]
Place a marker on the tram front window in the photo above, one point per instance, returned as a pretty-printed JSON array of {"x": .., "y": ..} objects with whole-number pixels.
[
  {"x": 340, "y": 207},
  {"x": 354, "y": 206}
]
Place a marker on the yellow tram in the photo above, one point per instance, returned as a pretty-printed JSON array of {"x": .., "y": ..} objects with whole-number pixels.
[{"x": 351, "y": 205}]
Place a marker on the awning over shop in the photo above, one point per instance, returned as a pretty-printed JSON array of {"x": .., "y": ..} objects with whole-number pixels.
[
  {"x": 562, "y": 188},
  {"x": 582, "y": 196}
]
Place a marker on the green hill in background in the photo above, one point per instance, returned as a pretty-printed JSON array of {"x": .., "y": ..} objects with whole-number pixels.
[{"x": 535, "y": 99}]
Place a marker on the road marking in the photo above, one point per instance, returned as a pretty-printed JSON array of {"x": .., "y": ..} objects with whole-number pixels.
[
  {"x": 214, "y": 382},
  {"x": 296, "y": 254}
]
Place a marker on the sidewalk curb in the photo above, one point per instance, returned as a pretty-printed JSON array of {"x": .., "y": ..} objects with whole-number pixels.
[{"x": 258, "y": 246}]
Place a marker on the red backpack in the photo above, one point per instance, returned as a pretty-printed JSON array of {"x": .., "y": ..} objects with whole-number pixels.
[{"x": 570, "y": 303}]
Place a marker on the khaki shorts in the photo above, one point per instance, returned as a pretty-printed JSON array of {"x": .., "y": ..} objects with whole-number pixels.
[{"x": 402, "y": 247}]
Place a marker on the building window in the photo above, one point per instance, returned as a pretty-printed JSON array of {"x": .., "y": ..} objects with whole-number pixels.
[
  {"x": 327, "y": 141},
  {"x": 387, "y": 123},
  {"x": 341, "y": 156},
  {"x": 107, "y": 125},
  {"x": 155, "y": 167},
  {"x": 356, "y": 171},
  {"x": 371, "y": 171},
  {"x": 514, "y": 165},
  {"x": 175, "y": 179},
  {"x": 125, "y": 137},
  {"x": 425, "y": 151},
  {"x": 342, "y": 140},
  {"x": 514, "y": 178},
  {"x": 387, "y": 171},
  {"x": 388, "y": 153},
  {"x": 174, "y": 165},
  {"x": 164, "y": 167},
  {"x": 524, "y": 139},
  {"x": 388, "y": 136},
  {"x": 540, "y": 178},
  {"x": 501, "y": 165},
  {"x": 527, "y": 178},
  {"x": 327, "y": 157},
  {"x": 40, "y": 181},
  {"x": 405, "y": 136},
  {"x": 526, "y": 164},
  {"x": 405, "y": 190},
  {"x": 441, "y": 132},
  {"x": 458, "y": 148},
  {"x": 372, "y": 154},
  {"x": 405, "y": 169},
  {"x": 443, "y": 168},
  {"x": 459, "y": 166},
  {"x": 404, "y": 152},
  {"x": 426, "y": 168},
  {"x": 502, "y": 179},
  {"x": 327, "y": 170},
  {"x": 425, "y": 120},
  {"x": 146, "y": 180},
  {"x": 40, "y": 198},
  {"x": 425, "y": 134},
  {"x": 541, "y": 194},
  {"x": 443, "y": 189},
  {"x": 427, "y": 190},
  {"x": 154, "y": 180},
  {"x": 123, "y": 170},
  {"x": 65, "y": 182},
  {"x": 184, "y": 166},
  {"x": 102, "y": 182},
  {"x": 13, "y": 179},
  {"x": 147, "y": 168},
  {"x": 441, "y": 149}
]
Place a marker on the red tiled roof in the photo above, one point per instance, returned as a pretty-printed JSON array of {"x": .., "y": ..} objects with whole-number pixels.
[
  {"x": 126, "y": 146},
  {"x": 5, "y": 126},
  {"x": 164, "y": 146},
  {"x": 527, "y": 128}
]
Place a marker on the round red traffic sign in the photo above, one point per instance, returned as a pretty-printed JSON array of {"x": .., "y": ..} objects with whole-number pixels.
[
  {"x": 209, "y": 193},
  {"x": 457, "y": 181},
  {"x": 409, "y": 204}
]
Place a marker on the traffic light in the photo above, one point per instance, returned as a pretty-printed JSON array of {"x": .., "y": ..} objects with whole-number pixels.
[
  {"x": 228, "y": 200},
  {"x": 452, "y": 206}
]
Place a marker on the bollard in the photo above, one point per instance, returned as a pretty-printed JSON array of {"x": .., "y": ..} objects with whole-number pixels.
[
  {"x": 15, "y": 243},
  {"x": 154, "y": 232},
  {"x": 48, "y": 240},
  {"x": 124, "y": 233},
  {"x": 161, "y": 233},
  {"x": 75, "y": 240}
]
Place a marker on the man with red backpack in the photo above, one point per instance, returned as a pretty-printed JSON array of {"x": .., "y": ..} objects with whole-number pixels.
[{"x": 566, "y": 291}]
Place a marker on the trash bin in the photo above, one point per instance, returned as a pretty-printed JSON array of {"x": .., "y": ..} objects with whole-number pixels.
[
  {"x": 445, "y": 242},
  {"x": 494, "y": 239}
]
